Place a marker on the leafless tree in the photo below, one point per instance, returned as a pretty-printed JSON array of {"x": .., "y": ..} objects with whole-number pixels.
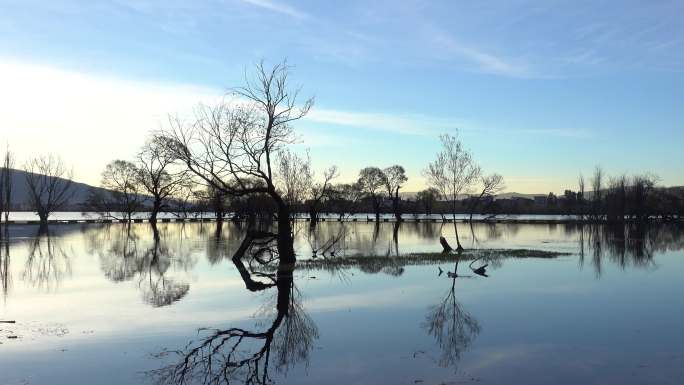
[
  {"x": 6, "y": 185},
  {"x": 232, "y": 146},
  {"x": 372, "y": 180},
  {"x": 597, "y": 193},
  {"x": 491, "y": 185},
  {"x": 581, "y": 195},
  {"x": 395, "y": 177},
  {"x": 49, "y": 185},
  {"x": 224, "y": 356},
  {"x": 295, "y": 177},
  {"x": 155, "y": 175},
  {"x": 320, "y": 191},
  {"x": 122, "y": 180},
  {"x": 453, "y": 173}
]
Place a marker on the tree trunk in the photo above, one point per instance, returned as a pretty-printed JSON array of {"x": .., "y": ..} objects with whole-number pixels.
[
  {"x": 156, "y": 206},
  {"x": 285, "y": 242},
  {"x": 43, "y": 216},
  {"x": 376, "y": 206},
  {"x": 459, "y": 248}
]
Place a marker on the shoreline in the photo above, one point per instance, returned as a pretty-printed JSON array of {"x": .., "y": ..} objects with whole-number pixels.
[{"x": 350, "y": 219}]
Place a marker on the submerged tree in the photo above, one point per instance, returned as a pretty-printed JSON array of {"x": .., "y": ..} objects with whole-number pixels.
[
  {"x": 155, "y": 176},
  {"x": 232, "y": 147},
  {"x": 49, "y": 185},
  {"x": 246, "y": 355},
  {"x": 395, "y": 177},
  {"x": 452, "y": 173},
  {"x": 371, "y": 181}
]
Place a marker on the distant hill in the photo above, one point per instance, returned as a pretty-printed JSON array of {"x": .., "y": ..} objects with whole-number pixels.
[
  {"x": 20, "y": 192},
  {"x": 412, "y": 195}
]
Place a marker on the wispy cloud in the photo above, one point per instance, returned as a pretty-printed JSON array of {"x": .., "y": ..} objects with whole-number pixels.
[
  {"x": 410, "y": 124},
  {"x": 484, "y": 61},
  {"x": 278, "y": 8}
]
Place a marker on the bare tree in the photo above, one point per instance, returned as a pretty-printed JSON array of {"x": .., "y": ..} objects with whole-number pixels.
[
  {"x": 295, "y": 176},
  {"x": 395, "y": 177},
  {"x": 491, "y": 185},
  {"x": 6, "y": 185},
  {"x": 49, "y": 185},
  {"x": 452, "y": 173},
  {"x": 597, "y": 193},
  {"x": 155, "y": 175},
  {"x": 581, "y": 195},
  {"x": 319, "y": 191},
  {"x": 232, "y": 146},
  {"x": 122, "y": 179},
  {"x": 372, "y": 180}
]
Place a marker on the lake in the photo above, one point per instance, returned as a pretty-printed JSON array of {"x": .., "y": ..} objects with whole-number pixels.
[{"x": 367, "y": 304}]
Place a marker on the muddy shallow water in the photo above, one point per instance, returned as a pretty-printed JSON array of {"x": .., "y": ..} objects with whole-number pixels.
[{"x": 101, "y": 304}]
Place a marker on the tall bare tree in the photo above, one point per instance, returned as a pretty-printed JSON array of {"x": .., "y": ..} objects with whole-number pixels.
[
  {"x": 597, "y": 181},
  {"x": 155, "y": 175},
  {"x": 581, "y": 195},
  {"x": 49, "y": 185},
  {"x": 6, "y": 185},
  {"x": 453, "y": 173},
  {"x": 232, "y": 146},
  {"x": 491, "y": 185},
  {"x": 395, "y": 177},
  {"x": 371, "y": 181}
]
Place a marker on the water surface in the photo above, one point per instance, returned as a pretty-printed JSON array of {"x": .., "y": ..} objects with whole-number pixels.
[{"x": 104, "y": 304}]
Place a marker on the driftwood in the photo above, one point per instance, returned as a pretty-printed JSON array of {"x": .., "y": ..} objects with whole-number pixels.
[{"x": 445, "y": 245}]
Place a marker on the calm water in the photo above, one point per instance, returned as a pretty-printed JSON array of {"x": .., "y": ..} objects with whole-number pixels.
[{"x": 103, "y": 305}]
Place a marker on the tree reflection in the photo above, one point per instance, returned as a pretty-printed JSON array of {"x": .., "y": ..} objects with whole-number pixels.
[
  {"x": 128, "y": 254},
  {"x": 245, "y": 355},
  {"x": 47, "y": 263},
  {"x": 451, "y": 325},
  {"x": 633, "y": 244},
  {"x": 5, "y": 272}
]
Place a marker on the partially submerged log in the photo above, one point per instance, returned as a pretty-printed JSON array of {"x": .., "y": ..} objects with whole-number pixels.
[{"x": 445, "y": 245}]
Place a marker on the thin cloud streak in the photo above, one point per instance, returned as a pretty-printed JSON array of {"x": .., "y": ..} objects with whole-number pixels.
[
  {"x": 278, "y": 8},
  {"x": 396, "y": 123}
]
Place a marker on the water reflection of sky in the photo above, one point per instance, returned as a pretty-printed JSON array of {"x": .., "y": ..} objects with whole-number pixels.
[{"x": 597, "y": 316}]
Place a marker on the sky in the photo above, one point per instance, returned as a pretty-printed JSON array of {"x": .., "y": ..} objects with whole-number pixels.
[{"x": 539, "y": 91}]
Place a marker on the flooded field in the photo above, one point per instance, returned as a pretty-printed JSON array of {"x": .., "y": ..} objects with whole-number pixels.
[{"x": 365, "y": 304}]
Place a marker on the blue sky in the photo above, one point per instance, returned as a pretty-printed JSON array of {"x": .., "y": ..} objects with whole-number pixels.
[{"x": 539, "y": 90}]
